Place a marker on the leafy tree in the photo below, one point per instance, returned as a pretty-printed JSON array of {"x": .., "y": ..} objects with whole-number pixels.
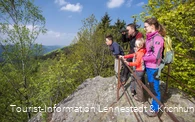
[
  {"x": 58, "y": 79},
  {"x": 91, "y": 48},
  {"x": 21, "y": 22},
  {"x": 116, "y": 31},
  {"x": 105, "y": 22}
]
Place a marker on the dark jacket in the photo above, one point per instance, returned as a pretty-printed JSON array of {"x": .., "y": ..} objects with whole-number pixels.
[
  {"x": 132, "y": 40},
  {"x": 116, "y": 49}
]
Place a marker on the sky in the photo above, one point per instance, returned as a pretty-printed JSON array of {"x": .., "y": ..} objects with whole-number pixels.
[{"x": 64, "y": 17}]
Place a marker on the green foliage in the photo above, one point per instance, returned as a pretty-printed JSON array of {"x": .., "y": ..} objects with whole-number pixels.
[
  {"x": 57, "y": 80},
  {"x": 91, "y": 48},
  {"x": 105, "y": 23},
  {"x": 116, "y": 34},
  {"x": 21, "y": 23}
]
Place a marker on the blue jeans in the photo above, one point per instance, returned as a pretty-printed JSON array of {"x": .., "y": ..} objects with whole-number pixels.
[{"x": 154, "y": 85}]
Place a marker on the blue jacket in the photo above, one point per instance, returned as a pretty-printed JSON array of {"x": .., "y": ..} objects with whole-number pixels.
[{"x": 116, "y": 49}]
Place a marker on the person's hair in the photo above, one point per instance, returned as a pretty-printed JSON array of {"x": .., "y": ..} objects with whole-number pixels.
[
  {"x": 132, "y": 25},
  {"x": 109, "y": 37},
  {"x": 157, "y": 25},
  {"x": 140, "y": 43}
]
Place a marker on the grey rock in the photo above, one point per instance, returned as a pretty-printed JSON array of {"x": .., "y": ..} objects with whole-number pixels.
[{"x": 95, "y": 101}]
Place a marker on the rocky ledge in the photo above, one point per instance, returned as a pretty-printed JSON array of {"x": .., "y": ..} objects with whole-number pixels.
[{"x": 95, "y": 101}]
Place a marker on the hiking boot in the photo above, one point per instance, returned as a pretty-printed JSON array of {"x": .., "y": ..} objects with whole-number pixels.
[
  {"x": 133, "y": 93},
  {"x": 151, "y": 113},
  {"x": 123, "y": 79},
  {"x": 135, "y": 97},
  {"x": 124, "y": 82}
]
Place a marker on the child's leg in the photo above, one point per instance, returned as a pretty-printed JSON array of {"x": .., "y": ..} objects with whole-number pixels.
[
  {"x": 132, "y": 85},
  {"x": 139, "y": 89}
]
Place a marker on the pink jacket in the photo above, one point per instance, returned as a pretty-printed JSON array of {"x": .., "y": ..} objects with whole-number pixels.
[{"x": 153, "y": 56}]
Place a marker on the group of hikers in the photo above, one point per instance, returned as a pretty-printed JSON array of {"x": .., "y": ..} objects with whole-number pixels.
[{"x": 144, "y": 55}]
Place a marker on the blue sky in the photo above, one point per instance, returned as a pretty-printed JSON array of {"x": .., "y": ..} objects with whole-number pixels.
[{"x": 64, "y": 17}]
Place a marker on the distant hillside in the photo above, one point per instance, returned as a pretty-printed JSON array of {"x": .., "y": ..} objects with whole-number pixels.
[
  {"x": 52, "y": 54},
  {"x": 46, "y": 50}
]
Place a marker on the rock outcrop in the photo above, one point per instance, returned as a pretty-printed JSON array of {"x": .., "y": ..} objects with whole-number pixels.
[{"x": 95, "y": 101}]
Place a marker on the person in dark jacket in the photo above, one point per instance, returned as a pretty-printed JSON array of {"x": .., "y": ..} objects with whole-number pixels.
[
  {"x": 116, "y": 51},
  {"x": 130, "y": 35},
  {"x": 114, "y": 46}
]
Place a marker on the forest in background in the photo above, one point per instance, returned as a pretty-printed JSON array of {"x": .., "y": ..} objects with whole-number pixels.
[{"x": 30, "y": 80}]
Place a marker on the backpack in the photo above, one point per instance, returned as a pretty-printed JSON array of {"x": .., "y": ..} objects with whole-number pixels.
[
  {"x": 167, "y": 54},
  {"x": 168, "y": 51}
]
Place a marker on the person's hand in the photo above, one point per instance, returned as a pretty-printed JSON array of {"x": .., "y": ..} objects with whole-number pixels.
[
  {"x": 125, "y": 61},
  {"x": 123, "y": 33},
  {"x": 121, "y": 57},
  {"x": 135, "y": 49}
]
